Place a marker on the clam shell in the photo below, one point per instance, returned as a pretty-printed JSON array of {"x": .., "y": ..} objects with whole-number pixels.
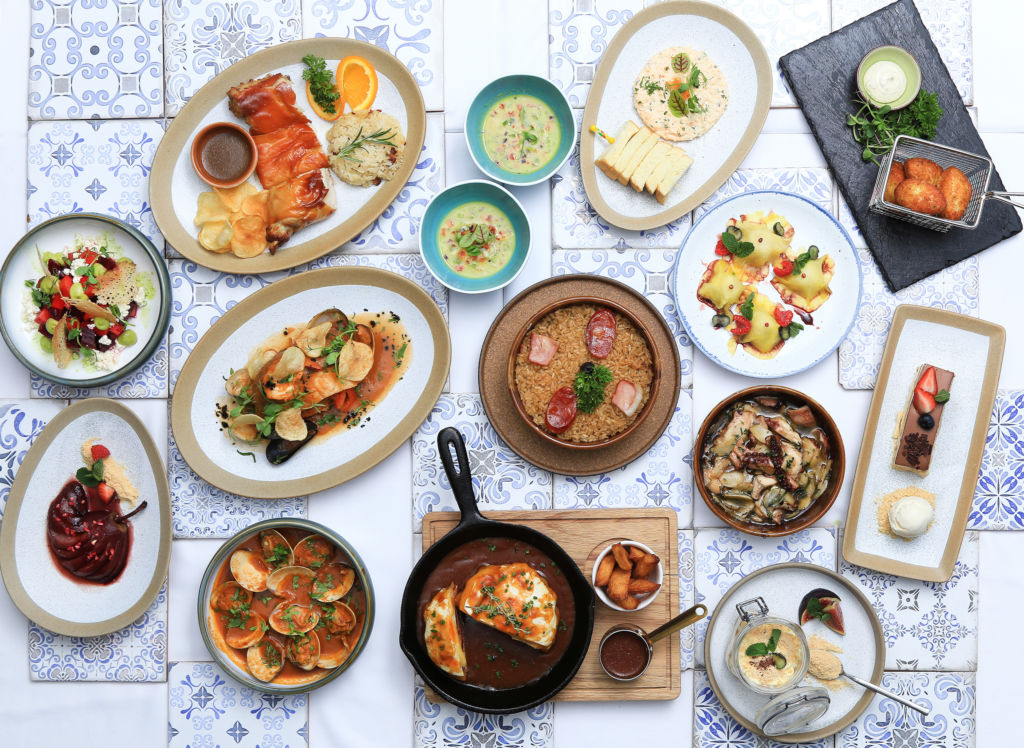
[
  {"x": 336, "y": 617},
  {"x": 269, "y": 541},
  {"x": 333, "y": 582},
  {"x": 303, "y": 651},
  {"x": 249, "y": 570},
  {"x": 229, "y": 595},
  {"x": 262, "y": 661},
  {"x": 251, "y": 632},
  {"x": 313, "y": 551},
  {"x": 293, "y": 618},
  {"x": 282, "y": 581},
  {"x": 332, "y": 653}
]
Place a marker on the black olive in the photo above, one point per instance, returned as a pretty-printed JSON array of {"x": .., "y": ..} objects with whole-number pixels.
[
  {"x": 735, "y": 231},
  {"x": 280, "y": 450},
  {"x": 587, "y": 367},
  {"x": 721, "y": 320},
  {"x": 926, "y": 421}
]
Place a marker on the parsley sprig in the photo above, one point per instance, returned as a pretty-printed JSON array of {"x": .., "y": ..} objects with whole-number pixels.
[
  {"x": 325, "y": 93},
  {"x": 876, "y": 128},
  {"x": 589, "y": 385}
]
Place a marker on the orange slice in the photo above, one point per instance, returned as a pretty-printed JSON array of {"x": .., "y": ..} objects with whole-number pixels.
[
  {"x": 339, "y": 105},
  {"x": 358, "y": 82}
]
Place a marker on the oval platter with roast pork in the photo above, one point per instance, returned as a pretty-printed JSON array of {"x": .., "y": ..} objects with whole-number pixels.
[{"x": 320, "y": 177}]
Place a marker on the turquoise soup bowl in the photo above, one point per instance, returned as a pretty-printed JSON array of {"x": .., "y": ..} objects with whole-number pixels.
[
  {"x": 529, "y": 85},
  {"x": 449, "y": 199}
]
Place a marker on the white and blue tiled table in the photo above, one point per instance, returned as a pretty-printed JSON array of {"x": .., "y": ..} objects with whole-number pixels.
[{"x": 101, "y": 78}]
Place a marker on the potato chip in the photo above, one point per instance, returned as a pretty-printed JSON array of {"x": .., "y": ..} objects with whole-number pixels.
[
  {"x": 256, "y": 204},
  {"x": 250, "y": 238},
  {"x": 216, "y": 236},
  {"x": 232, "y": 197},
  {"x": 355, "y": 361},
  {"x": 209, "y": 207}
]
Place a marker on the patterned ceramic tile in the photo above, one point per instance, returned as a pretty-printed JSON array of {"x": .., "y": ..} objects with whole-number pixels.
[
  {"x": 502, "y": 479},
  {"x": 951, "y": 724},
  {"x": 204, "y": 708},
  {"x": 645, "y": 270},
  {"x": 412, "y": 30},
  {"x": 95, "y": 59},
  {"x": 724, "y": 556},
  {"x": 999, "y": 496},
  {"x": 135, "y": 653},
  {"x": 713, "y": 727},
  {"x": 20, "y": 424},
  {"x": 93, "y": 166},
  {"x": 199, "y": 510},
  {"x": 687, "y": 637},
  {"x": 441, "y": 725},
  {"x": 397, "y": 228},
  {"x": 660, "y": 478},
  {"x": 408, "y": 265},
  {"x": 848, "y": 222},
  {"x": 860, "y": 353},
  {"x": 926, "y": 625},
  {"x": 149, "y": 380},
  {"x": 575, "y": 223},
  {"x": 948, "y": 22},
  {"x": 578, "y": 34},
  {"x": 203, "y": 37},
  {"x": 811, "y": 182}
]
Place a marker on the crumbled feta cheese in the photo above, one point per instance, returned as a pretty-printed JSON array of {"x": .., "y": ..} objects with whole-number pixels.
[
  {"x": 105, "y": 340},
  {"x": 78, "y": 263},
  {"x": 107, "y": 360},
  {"x": 29, "y": 310}
]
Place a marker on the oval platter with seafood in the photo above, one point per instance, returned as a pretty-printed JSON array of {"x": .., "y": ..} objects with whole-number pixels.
[
  {"x": 767, "y": 283},
  {"x": 323, "y": 180},
  {"x": 684, "y": 88},
  {"x": 310, "y": 382},
  {"x": 86, "y": 537},
  {"x": 555, "y": 315}
]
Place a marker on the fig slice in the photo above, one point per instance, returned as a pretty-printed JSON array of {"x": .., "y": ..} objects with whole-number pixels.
[{"x": 822, "y": 604}]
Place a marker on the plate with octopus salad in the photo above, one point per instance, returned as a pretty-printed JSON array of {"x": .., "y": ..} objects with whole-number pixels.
[
  {"x": 767, "y": 283},
  {"x": 310, "y": 382}
]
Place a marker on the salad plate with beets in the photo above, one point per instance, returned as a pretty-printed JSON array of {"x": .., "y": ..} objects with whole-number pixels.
[{"x": 86, "y": 299}]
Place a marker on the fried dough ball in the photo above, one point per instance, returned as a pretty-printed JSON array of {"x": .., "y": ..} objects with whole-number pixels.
[
  {"x": 956, "y": 189},
  {"x": 924, "y": 169},
  {"x": 896, "y": 175},
  {"x": 920, "y": 197}
]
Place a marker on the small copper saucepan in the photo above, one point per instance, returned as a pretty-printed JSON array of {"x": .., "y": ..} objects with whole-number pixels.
[{"x": 626, "y": 650}]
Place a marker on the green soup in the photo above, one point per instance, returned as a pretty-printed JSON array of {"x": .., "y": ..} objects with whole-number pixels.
[
  {"x": 521, "y": 134},
  {"x": 476, "y": 239}
]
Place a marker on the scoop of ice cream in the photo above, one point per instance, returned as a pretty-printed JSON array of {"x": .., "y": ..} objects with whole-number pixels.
[{"x": 910, "y": 516}]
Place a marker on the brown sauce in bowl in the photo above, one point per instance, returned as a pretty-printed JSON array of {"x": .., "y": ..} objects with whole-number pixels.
[
  {"x": 493, "y": 659},
  {"x": 625, "y": 654},
  {"x": 226, "y": 154}
]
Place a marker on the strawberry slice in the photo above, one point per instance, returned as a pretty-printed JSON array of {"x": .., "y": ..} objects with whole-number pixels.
[
  {"x": 720, "y": 249},
  {"x": 928, "y": 381},
  {"x": 924, "y": 401},
  {"x": 740, "y": 325},
  {"x": 105, "y": 492},
  {"x": 783, "y": 316},
  {"x": 99, "y": 452},
  {"x": 784, "y": 268}
]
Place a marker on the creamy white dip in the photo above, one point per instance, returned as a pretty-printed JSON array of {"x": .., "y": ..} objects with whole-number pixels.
[
  {"x": 653, "y": 87},
  {"x": 885, "y": 81}
]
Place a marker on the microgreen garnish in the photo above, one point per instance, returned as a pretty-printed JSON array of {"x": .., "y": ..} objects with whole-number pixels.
[{"x": 475, "y": 237}]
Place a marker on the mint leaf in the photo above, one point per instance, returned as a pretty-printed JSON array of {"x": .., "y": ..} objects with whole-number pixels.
[
  {"x": 734, "y": 245},
  {"x": 747, "y": 307},
  {"x": 773, "y": 641},
  {"x": 756, "y": 650},
  {"x": 86, "y": 478},
  {"x": 942, "y": 396},
  {"x": 794, "y": 329}
]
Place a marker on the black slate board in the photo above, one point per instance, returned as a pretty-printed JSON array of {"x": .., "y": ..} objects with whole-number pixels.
[{"x": 822, "y": 76}]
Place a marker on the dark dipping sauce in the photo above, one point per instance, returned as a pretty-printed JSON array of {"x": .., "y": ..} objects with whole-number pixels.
[
  {"x": 226, "y": 154},
  {"x": 624, "y": 654},
  {"x": 494, "y": 660}
]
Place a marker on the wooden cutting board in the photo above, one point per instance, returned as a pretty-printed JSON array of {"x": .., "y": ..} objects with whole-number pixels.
[{"x": 584, "y": 533}]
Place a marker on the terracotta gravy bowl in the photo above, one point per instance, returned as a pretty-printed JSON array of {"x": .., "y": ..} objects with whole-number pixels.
[{"x": 514, "y": 390}]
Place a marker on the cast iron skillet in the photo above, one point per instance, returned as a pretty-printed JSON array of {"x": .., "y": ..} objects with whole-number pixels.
[{"x": 473, "y": 526}]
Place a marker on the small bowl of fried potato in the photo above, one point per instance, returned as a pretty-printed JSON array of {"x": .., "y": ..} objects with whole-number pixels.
[{"x": 627, "y": 576}]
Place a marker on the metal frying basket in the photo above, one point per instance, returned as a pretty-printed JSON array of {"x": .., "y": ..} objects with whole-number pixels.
[{"x": 977, "y": 169}]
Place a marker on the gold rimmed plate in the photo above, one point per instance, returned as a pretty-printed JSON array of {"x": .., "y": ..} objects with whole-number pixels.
[
  {"x": 174, "y": 186},
  {"x": 333, "y": 458}
]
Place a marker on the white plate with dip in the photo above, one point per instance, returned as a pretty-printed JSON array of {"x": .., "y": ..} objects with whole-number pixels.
[
  {"x": 783, "y": 586},
  {"x": 738, "y": 53}
]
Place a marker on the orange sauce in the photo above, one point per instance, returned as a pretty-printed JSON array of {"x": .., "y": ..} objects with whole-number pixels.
[{"x": 265, "y": 602}]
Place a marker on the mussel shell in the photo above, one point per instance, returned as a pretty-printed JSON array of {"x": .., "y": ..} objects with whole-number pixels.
[
  {"x": 249, "y": 634},
  {"x": 293, "y": 618},
  {"x": 335, "y": 618},
  {"x": 280, "y": 450},
  {"x": 249, "y": 569},
  {"x": 238, "y": 382},
  {"x": 335, "y": 316},
  {"x": 313, "y": 551},
  {"x": 303, "y": 651},
  {"x": 333, "y": 581},
  {"x": 290, "y": 581},
  {"x": 265, "y": 660},
  {"x": 228, "y": 596},
  {"x": 334, "y": 650},
  {"x": 270, "y": 540}
]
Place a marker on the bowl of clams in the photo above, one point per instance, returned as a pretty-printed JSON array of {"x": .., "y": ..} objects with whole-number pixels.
[{"x": 285, "y": 606}]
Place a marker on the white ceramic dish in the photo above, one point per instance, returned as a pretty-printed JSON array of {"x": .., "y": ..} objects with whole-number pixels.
[
  {"x": 832, "y": 321},
  {"x": 325, "y": 462},
  {"x": 783, "y": 586},
  {"x": 55, "y": 235},
  {"x": 36, "y": 585},
  {"x": 659, "y": 577}
]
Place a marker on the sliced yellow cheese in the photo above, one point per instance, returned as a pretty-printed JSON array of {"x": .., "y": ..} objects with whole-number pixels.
[
  {"x": 649, "y": 164},
  {"x": 626, "y": 133}
]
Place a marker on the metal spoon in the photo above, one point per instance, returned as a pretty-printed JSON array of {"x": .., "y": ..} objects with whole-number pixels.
[{"x": 888, "y": 694}]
